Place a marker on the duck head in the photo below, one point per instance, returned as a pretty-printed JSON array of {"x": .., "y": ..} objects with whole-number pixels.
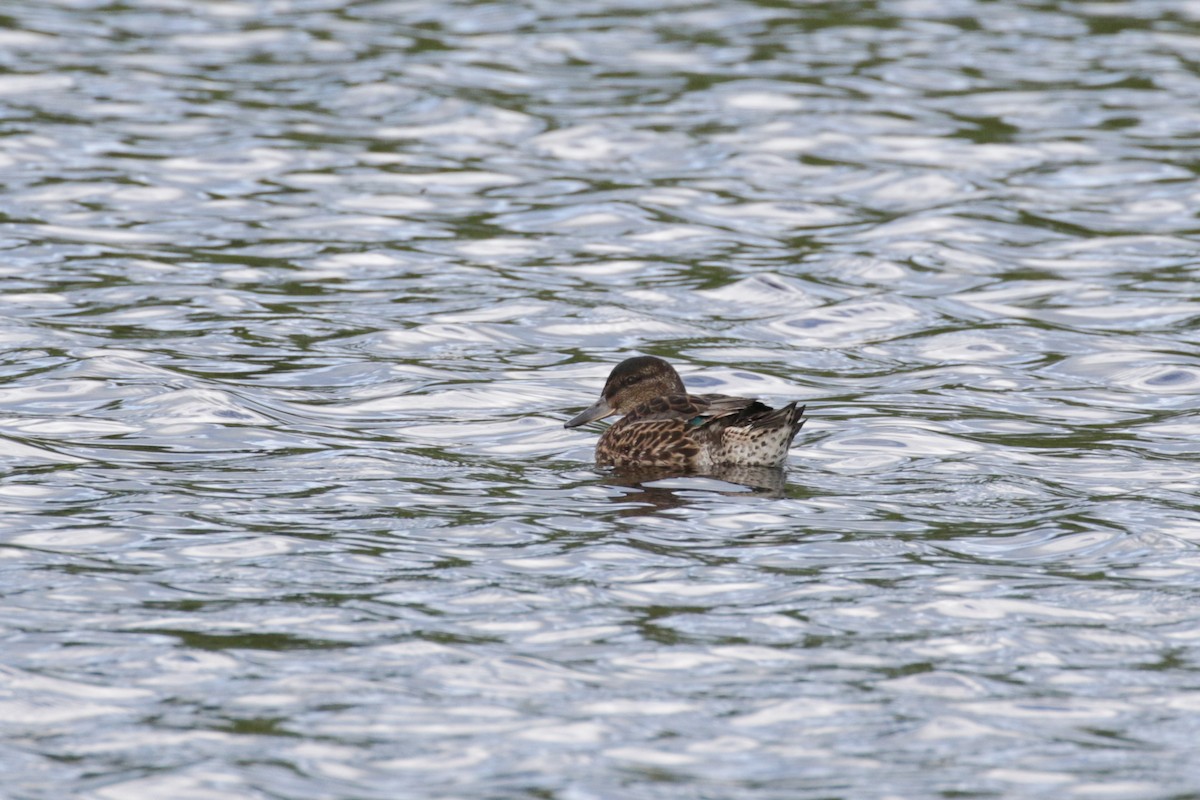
[{"x": 632, "y": 382}]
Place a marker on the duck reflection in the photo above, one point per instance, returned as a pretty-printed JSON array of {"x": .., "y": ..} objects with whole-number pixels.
[{"x": 745, "y": 481}]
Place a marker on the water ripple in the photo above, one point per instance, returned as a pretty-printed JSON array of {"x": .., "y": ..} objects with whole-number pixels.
[{"x": 298, "y": 297}]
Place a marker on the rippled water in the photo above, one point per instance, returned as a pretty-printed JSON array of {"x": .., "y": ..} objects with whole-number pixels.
[{"x": 297, "y": 295}]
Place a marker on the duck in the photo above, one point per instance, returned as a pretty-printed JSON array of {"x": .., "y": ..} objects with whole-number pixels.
[{"x": 662, "y": 426}]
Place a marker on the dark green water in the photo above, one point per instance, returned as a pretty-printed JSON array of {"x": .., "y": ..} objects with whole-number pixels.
[{"x": 296, "y": 296}]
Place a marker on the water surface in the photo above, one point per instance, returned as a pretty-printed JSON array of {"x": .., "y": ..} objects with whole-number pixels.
[{"x": 297, "y": 296}]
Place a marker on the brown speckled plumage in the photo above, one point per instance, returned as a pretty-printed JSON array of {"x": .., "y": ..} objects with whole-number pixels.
[{"x": 664, "y": 426}]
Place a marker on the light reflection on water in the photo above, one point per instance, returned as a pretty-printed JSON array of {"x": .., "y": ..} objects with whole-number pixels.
[{"x": 296, "y": 300}]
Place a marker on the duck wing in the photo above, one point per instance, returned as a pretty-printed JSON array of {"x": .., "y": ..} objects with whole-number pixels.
[
  {"x": 694, "y": 410},
  {"x": 731, "y": 410}
]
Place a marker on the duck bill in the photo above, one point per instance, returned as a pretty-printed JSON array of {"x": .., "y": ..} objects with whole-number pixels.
[{"x": 599, "y": 411}]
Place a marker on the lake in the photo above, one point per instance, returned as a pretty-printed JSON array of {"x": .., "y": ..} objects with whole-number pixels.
[{"x": 297, "y": 296}]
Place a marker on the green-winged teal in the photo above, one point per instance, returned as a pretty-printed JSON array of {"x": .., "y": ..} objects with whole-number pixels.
[{"x": 664, "y": 426}]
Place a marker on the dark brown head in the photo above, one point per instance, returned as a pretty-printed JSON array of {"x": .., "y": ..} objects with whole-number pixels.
[{"x": 632, "y": 382}]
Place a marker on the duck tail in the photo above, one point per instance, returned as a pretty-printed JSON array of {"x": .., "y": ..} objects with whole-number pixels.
[
  {"x": 797, "y": 420},
  {"x": 790, "y": 417}
]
